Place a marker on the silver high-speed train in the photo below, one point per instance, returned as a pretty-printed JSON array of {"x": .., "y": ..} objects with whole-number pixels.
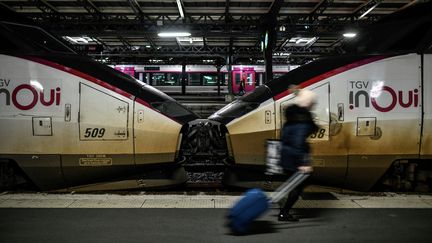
[
  {"x": 374, "y": 110},
  {"x": 66, "y": 120}
]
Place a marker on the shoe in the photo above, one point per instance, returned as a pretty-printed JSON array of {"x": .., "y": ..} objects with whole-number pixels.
[{"x": 287, "y": 217}]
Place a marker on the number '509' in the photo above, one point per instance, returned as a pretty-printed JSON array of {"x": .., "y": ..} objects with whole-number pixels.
[{"x": 94, "y": 132}]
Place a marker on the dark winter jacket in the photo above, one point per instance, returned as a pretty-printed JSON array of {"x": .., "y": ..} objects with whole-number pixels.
[{"x": 297, "y": 128}]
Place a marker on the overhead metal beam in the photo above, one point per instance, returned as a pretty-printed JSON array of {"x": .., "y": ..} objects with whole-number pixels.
[
  {"x": 90, "y": 7},
  {"x": 319, "y": 9},
  {"x": 180, "y": 9},
  {"x": 136, "y": 8},
  {"x": 365, "y": 8},
  {"x": 152, "y": 44},
  {"x": 98, "y": 40},
  {"x": 134, "y": 27},
  {"x": 319, "y": 6},
  {"x": 221, "y": 51},
  {"x": 125, "y": 42},
  {"x": 275, "y": 7},
  {"x": 4, "y": 5},
  {"x": 227, "y": 14},
  {"x": 409, "y": 4},
  {"x": 44, "y": 6}
]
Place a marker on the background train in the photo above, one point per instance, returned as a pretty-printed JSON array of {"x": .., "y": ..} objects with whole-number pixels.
[
  {"x": 66, "y": 120},
  {"x": 375, "y": 113},
  {"x": 201, "y": 79}
]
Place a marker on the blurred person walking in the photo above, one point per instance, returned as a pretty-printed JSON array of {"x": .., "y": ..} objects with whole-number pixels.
[{"x": 295, "y": 151}]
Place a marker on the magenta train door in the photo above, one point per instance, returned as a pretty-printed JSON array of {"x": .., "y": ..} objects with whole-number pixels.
[{"x": 246, "y": 74}]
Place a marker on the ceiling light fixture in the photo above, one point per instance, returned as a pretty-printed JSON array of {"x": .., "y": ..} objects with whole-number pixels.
[
  {"x": 350, "y": 35},
  {"x": 174, "y": 34},
  {"x": 77, "y": 40}
]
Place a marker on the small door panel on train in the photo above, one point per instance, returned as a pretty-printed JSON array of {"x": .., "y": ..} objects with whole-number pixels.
[
  {"x": 247, "y": 75},
  {"x": 103, "y": 150},
  {"x": 102, "y": 116}
]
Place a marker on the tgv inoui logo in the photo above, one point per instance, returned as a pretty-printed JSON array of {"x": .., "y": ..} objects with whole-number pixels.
[
  {"x": 27, "y": 96},
  {"x": 383, "y": 98}
]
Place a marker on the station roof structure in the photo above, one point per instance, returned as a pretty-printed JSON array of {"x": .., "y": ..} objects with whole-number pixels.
[{"x": 126, "y": 31}]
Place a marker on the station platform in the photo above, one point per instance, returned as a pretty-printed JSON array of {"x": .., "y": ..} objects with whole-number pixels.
[{"x": 180, "y": 217}]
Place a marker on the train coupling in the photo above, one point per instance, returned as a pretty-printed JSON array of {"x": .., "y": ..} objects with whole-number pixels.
[{"x": 204, "y": 142}]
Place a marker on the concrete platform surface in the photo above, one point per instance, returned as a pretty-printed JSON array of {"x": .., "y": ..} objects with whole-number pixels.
[
  {"x": 201, "y": 200},
  {"x": 208, "y": 225}
]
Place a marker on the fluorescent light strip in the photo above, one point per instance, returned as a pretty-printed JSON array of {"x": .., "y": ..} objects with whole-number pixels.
[
  {"x": 349, "y": 35},
  {"x": 365, "y": 13},
  {"x": 180, "y": 8},
  {"x": 174, "y": 34}
]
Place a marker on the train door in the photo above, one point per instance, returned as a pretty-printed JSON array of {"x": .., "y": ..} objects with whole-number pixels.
[
  {"x": 104, "y": 147},
  {"x": 247, "y": 75}
]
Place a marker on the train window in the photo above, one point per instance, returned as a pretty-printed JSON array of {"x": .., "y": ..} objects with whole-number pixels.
[
  {"x": 277, "y": 75},
  {"x": 237, "y": 78},
  {"x": 157, "y": 79},
  {"x": 209, "y": 79},
  {"x": 173, "y": 79},
  {"x": 194, "y": 79}
]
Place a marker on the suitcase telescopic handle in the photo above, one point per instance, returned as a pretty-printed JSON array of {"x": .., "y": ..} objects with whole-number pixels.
[{"x": 287, "y": 186}]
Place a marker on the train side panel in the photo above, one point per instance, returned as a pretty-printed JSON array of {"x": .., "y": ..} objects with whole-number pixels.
[
  {"x": 22, "y": 115},
  {"x": 51, "y": 132},
  {"x": 371, "y": 105},
  {"x": 156, "y": 137},
  {"x": 426, "y": 146},
  {"x": 249, "y": 133},
  {"x": 380, "y": 104},
  {"x": 66, "y": 128}
]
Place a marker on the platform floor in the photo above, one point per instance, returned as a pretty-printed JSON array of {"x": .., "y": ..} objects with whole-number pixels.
[{"x": 328, "y": 217}]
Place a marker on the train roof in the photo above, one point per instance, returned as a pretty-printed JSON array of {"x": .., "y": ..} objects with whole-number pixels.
[{"x": 408, "y": 30}]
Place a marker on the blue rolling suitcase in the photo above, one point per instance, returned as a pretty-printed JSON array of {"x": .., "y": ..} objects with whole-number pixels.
[{"x": 255, "y": 202}]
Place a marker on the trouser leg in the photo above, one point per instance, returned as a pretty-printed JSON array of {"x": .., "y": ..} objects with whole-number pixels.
[{"x": 293, "y": 196}]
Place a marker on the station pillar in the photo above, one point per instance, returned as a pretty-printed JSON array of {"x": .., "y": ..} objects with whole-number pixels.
[
  {"x": 268, "y": 42},
  {"x": 183, "y": 78}
]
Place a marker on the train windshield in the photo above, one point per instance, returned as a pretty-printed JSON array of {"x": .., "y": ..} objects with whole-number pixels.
[
  {"x": 238, "y": 108},
  {"x": 260, "y": 94},
  {"x": 165, "y": 104},
  {"x": 243, "y": 105},
  {"x": 171, "y": 108}
]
